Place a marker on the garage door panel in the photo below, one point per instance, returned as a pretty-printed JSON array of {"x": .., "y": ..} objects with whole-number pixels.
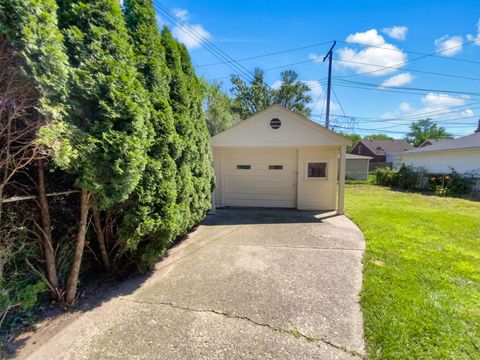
[
  {"x": 257, "y": 188},
  {"x": 259, "y": 185},
  {"x": 256, "y": 179},
  {"x": 259, "y": 196},
  {"x": 264, "y": 203},
  {"x": 263, "y": 172}
]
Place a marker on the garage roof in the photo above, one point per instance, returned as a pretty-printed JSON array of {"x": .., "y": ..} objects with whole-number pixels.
[{"x": 278, "y": 126}]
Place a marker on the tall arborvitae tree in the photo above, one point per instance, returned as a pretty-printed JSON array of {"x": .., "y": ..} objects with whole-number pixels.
[
  {"x": 150, "y": 221},
  {"x": 110, "y": 107},
  {"x": 28, "y": 29},
  {"x": 201, "y": 167},
  {"x": 194, "y": 169}
]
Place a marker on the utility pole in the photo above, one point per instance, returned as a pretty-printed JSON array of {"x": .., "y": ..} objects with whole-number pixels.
[{"x": 329, "y": 86}]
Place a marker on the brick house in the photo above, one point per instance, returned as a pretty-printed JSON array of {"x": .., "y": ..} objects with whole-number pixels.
[{"x": 383, "y": 152}]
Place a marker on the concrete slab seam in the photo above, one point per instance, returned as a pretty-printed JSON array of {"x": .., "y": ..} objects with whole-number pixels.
[{"x": 293, "y": 332}]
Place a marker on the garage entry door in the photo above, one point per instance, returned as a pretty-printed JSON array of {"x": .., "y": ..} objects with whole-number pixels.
[{"x": 260, "y": 177}]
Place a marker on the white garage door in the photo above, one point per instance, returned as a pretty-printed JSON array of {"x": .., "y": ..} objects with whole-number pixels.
[{"x": 260, "y": 177}]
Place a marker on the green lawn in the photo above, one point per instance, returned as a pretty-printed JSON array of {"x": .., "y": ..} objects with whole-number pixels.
[{"x": 421, "y": 287}]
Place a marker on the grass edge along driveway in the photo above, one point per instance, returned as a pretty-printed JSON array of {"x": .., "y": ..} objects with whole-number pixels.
[{"x": 421, "y": 287}]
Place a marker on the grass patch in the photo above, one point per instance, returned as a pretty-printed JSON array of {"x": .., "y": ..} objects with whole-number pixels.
[{"x": 421, "y": 287}]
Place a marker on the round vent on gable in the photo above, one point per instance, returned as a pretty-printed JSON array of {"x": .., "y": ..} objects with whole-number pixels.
[{"x": 275, "y": 123}]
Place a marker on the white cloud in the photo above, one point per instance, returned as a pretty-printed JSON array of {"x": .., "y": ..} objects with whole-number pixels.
[
  {"x": 405, "y": 107},
  {"x": 316, "y": 88},
  {"x": 318, "y": 105},
  {"x": 449, "y": 45},
  {"x": 181, "y": 13},
  {"x": 161, "y": 23},
  {"x": 192, "y": 35},
  {"x": 436, "y": 106},
  {"x": 370, "y": 37},
  {"x": 371, "y": 59},
  {"x": 276, "y": 85},
  {"x": 442, "y": 100},
  {"x": 475, "y": 38},
  {"x": 396, "y": 32},
  {"x": 397, "y": 80}
]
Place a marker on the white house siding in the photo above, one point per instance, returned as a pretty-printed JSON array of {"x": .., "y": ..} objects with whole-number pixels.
[
  {"x": 395, "y": 160},
  {"x": 298, "y": 141},
  {"x": 317, "y": 194},
  {"x": 357, "y": 169},
  {"x": 462, "y": 161},
  {"x": 216, "y": 152}
]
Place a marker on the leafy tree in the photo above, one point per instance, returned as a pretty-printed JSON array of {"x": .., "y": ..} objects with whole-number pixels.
[
  {"x": 251, "y": 98},
  {"x": 422, "y": 130},
  {"x": 378, "y": 137},
  {"x": 151, "y": 215},
  {"x": 355, "y": 139},
  {"x": 108, "y": 108},
  {"x": 257, "y": 95},
  {"x": 218, "y": 109},
  {"x": 293, "y": 94}
]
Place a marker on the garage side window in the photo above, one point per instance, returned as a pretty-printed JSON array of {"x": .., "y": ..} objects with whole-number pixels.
[
  {"x": 275, "y": 167},
  {"x": 317, "y": 170},
  {"x": 244, "y": 167}
]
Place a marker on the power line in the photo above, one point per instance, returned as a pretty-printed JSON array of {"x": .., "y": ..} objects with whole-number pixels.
[
  {"x": 388, "y": 90},
  {"x": 451, "y": 121},
  {"x": 416, "y": 52},
  {"x": 208, "y": 45},
  {"x": 338, "y": 100},
  {"x": 270, "y": 69},
  {"x": 346, "y": 42},
  {"x": 318, "y": 98},
  {"x": 414, "y": 59},
  {"x": 271, "y": 54},
  {"x": 409, "y": 88},
  {"x": 396, "y": 67},
  {"x": 383, "y": 130}
]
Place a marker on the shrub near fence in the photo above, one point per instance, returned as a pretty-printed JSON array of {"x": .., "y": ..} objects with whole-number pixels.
[{"x": 418, "y": 179}]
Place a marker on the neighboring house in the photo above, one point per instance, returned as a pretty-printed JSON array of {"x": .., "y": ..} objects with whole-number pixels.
[
  {"x": 383, "y": 152},
  {"x": 461, "y": 154},
  {"x": 278, "y": 158},
  {"x": 357, "y": 167},
  {"x": 432, "y": 142}
]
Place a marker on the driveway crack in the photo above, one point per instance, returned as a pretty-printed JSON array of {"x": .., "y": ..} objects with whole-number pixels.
[{"x": 292, "y": 332}]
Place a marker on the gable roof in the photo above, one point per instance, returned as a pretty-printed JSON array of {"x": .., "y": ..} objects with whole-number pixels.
[
  {"x": 429, "y": 142},
  {"x": 386, "y": 147},
  {"x": 295, "y": 130},
  {"x": 471, "y": 141}
]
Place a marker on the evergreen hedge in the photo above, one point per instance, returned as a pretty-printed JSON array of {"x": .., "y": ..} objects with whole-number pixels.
[{"x": 122, "y": 121}]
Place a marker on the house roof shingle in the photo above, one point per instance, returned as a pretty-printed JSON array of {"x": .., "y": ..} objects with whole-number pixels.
[
  {"x": 471, "y": 141},
  {"x": 432, "y": 142},
  {"x": 386, "y": 147}
]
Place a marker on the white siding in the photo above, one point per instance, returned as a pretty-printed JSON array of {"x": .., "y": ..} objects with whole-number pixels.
[
  {"x": 293, "y": 132},
  {"x": 357, "y": 169},
  {"x": 298, "y": 141},
  {"x": 462, "y": 161},
  {"x": 317, "y": 194},
  {"x": 259, "y": 185},
  {"x": 217, "y": 161},
  {"x": 395, "y": 160}
]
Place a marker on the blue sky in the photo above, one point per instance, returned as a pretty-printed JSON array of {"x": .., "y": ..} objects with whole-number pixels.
[{"x": 369, "y": 98}]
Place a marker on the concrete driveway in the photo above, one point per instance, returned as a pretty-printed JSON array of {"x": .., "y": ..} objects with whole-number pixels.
[{"x": 247, "y": 284}]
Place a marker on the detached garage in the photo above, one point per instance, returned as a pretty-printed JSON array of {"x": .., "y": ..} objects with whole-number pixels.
[{"x": 278, "y": 158}]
